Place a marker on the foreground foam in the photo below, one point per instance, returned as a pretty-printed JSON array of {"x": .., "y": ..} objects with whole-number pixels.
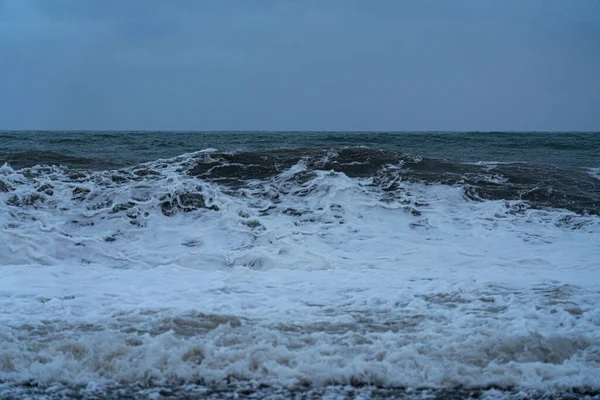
[{"x": 172, "y": 326}]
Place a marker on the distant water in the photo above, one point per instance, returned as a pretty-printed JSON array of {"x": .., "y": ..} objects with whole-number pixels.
[
  {"x": 273, "y": 265},
  {"x": 103, "y": 150}
]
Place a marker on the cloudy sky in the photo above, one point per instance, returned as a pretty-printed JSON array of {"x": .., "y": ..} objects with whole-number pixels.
[{"x": 300, "y": 65}]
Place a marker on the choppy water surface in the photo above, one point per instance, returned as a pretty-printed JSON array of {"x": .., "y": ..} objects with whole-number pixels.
[
  {"x": 334, "y": 265},
  {"x": 106, "y": 150}
]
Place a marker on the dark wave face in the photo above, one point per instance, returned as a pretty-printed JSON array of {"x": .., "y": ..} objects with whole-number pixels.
[
  {"x": 541, "y": 185},
  {"x": 545, "y": 169}
]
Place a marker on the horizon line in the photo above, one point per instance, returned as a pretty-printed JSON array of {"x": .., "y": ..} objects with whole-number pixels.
[{"x": 290, "y": 131}]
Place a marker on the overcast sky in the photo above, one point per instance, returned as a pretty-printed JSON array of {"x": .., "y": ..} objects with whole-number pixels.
[{"x": 300, "y": 65}]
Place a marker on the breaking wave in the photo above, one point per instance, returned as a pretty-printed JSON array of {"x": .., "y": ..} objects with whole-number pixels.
[{"x": 301, "y": 268}]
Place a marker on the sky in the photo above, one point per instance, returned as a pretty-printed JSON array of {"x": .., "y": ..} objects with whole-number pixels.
[{"x": 300, "y": 65}]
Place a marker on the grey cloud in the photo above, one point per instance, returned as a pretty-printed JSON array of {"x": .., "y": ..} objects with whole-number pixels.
[{"x": 206, "y": 65}]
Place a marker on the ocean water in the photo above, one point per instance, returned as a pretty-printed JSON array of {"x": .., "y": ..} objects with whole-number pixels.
[{"x": 305, "y": 265}]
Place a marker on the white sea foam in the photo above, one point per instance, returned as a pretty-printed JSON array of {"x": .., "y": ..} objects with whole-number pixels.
[{"x": 327, "y": 285}]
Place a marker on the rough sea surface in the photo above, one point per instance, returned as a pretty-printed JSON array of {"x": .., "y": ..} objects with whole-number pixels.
[{"x": 299, "y": 265}]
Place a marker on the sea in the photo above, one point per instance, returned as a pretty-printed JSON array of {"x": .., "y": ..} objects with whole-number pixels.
[{"x": 304, "y": 265}]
